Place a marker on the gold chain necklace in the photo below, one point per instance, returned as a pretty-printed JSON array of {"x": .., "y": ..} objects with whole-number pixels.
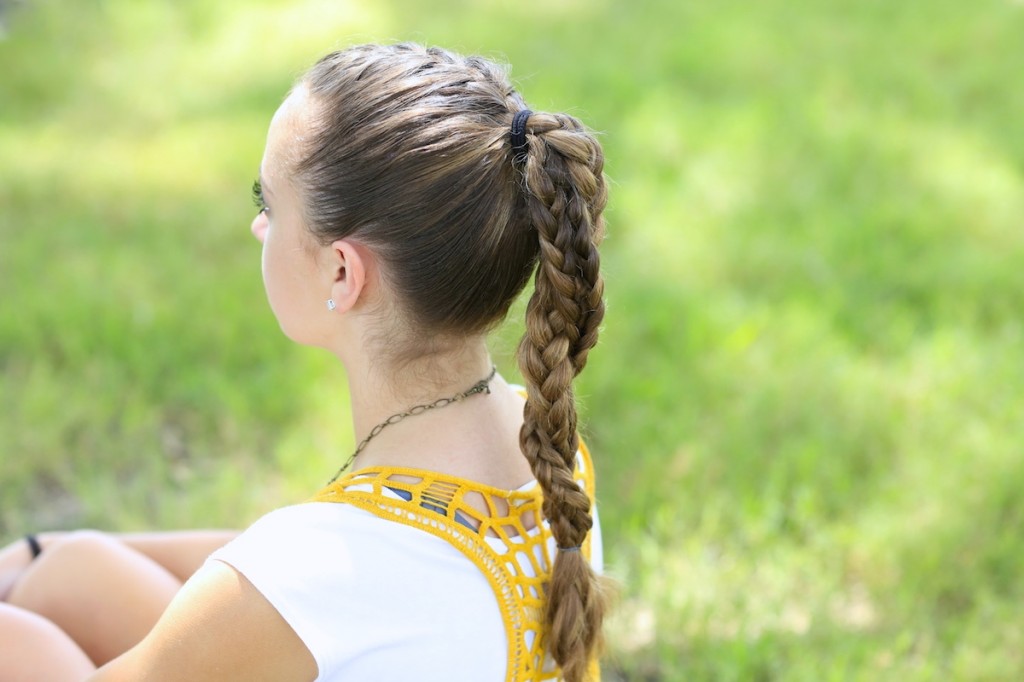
[{"x": 482, "y": 386}]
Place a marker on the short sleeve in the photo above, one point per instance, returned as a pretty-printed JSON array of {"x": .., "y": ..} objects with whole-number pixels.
[{"x": 363, "y": 593}]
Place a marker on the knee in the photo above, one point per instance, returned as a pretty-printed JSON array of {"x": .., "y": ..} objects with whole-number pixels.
[
  {"x": 80, "y": 547},
  {"x": 75, "y": 554},
  {"x": 79, "y": 542}
]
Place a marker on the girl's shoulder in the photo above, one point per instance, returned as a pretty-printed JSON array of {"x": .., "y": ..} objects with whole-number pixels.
[{"x": 349, "y": 582}]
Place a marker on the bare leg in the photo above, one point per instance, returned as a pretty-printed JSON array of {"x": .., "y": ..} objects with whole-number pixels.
[
  {"x": 181, "y": 552},
  {"x": 14, "y": 559},
  {"x": 32, "y": 649},
  {"x": 105, "y": 595},
  {"x": 60, "y": 582}
]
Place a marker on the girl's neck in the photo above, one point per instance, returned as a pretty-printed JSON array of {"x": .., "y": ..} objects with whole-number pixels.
[
  {"x": 378, "y": 391},
  {"x": 475, "y": 438}
]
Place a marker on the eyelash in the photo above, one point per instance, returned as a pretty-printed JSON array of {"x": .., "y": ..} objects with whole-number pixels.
[{"x": 257, "y": 196}]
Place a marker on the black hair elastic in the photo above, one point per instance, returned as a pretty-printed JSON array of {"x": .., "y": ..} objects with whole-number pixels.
[
  {"x": 33, "y": 545},
  {"x": 518, "y": 136}
]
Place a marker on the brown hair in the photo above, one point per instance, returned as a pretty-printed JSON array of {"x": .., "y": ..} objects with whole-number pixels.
[{"x": 409, "y": 152}]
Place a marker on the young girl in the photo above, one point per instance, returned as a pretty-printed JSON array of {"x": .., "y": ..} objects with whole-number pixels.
[{"x": 405, "y": 197}]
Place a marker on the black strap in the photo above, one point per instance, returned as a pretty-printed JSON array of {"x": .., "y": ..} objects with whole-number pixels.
[{"x": 33, "y": 545}]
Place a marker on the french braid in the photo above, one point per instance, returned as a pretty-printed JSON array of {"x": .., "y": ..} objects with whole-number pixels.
[
  {"x": 566, "y": 195},
  {"x": 408, "y": 152}
]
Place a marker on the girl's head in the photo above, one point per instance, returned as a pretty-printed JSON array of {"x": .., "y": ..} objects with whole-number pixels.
[{"x": 402, "y": 155}]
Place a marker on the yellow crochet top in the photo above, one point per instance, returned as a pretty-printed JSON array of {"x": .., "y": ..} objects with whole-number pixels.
[{"x": 506, "y": 543}]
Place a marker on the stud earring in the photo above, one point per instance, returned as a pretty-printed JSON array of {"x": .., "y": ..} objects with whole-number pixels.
[{"x": 330, "y": 304}]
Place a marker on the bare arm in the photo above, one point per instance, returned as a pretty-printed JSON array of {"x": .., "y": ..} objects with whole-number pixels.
[{"x": 219, "y": 627}]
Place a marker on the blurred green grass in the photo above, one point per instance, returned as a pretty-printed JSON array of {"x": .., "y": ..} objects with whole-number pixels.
[{"x": 806, "y": 404}]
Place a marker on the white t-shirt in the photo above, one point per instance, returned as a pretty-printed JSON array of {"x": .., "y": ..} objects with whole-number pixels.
[{"x": 376, "y": 600}]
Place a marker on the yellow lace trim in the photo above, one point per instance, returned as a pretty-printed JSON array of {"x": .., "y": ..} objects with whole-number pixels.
[{"x": 507, "y": 544}]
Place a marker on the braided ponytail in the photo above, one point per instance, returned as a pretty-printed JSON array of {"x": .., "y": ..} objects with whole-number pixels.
[
  {"x": 408, "y": 153},
  {"x": 565, "y": 197}
]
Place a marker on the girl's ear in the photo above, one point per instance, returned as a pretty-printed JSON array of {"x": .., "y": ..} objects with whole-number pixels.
[{"x": 348, "y": 269}]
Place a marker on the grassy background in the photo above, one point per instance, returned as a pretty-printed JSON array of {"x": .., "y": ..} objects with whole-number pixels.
[{"x": 806, "y": 407}]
